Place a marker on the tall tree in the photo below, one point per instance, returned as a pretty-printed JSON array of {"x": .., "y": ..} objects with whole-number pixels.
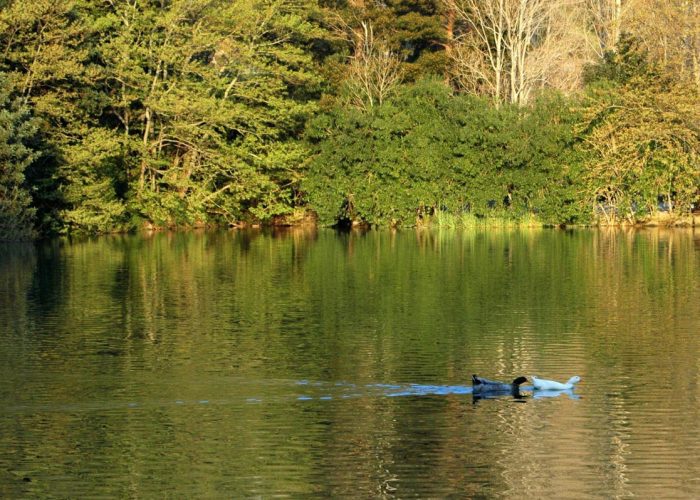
[
  {"x": 507, "y": 49},
  {"x": 670, "y": 33},
  {"x": 605, "y": 21},
  {"x": 17, "y": 129},
  {"x": 49, "y": 55},
  {"x": 211, "y": 110},
  {"x": 373, "y": 73},
  {"x": 642, "y": 140},
  {"x": 411, "y": 30}
]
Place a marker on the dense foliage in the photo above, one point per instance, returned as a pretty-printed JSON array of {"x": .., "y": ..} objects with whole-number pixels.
[
  {"x": 17, "y": 130},
  {"x": 177, "y": 112},
  {"x": 427, "y": 150},
  {"x": 642, "y": 130},
  {"x": 124, "y": 114}
]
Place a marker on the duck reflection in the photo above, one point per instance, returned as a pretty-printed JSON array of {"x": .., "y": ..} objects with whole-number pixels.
[
  {"x": 554, "y": 394},
  {"x": 514, "y": 394},
  {"x": 519, "y": 397}
]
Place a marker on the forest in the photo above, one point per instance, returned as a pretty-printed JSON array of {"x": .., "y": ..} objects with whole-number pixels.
[{"x": 121, "y": 115}]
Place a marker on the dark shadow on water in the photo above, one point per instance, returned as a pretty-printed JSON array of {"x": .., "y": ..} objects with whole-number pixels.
[{"x": 516, "y": 395}]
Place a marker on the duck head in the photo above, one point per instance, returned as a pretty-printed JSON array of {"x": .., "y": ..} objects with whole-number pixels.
[{"x": 519, "y": 380}]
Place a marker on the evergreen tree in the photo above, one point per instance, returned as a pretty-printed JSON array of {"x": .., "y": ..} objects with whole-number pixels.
[
  {"x": 50, "y": 57},
  {"x": 209, "y": 98},
  {"x": 17, "y": 129}
]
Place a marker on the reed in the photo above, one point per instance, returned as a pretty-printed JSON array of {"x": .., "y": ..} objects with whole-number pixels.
[{"x": 445, "y": 219}]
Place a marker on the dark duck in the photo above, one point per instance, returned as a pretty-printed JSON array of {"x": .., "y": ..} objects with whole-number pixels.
[{"x": 485, "y": 386}]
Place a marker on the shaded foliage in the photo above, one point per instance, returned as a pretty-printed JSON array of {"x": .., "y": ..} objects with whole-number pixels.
[
  {"x": 413, "y": 29},
  {"x": 628, "y": 60},
  {"x": 17, "y": 131}
]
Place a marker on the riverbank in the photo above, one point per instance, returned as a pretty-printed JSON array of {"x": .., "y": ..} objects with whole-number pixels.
[{"x": 440, "y": 219}]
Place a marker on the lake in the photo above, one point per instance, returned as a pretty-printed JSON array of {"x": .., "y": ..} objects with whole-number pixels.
[{"x": 302, "y": 363}]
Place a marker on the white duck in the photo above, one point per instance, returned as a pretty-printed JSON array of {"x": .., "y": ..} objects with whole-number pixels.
[{"x": 551, "y": 385}]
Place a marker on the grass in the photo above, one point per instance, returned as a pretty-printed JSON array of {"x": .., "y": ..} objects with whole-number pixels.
[{"x": 469, "y": 220}]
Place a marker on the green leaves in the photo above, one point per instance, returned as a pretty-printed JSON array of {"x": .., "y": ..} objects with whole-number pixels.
[
  {"x": 428, "y": 151},
  {"x": 215, "y": 102},
  {"x": 193, "y": 112},
  {"x": 17, "y": 129},
  {"x": 642, "y": 139},
  {"x": 170, "y": 113}
]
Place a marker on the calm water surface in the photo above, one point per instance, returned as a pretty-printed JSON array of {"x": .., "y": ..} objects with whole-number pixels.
[{"x": 308, "y": 363}]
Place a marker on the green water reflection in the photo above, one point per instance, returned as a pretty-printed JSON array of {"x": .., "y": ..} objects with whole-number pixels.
[{"x": 253, "y": 364}]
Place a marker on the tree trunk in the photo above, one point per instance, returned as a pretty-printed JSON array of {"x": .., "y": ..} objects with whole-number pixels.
[
  {"x": 616, "y": 23},
  {"x": 146, "y": 135}
]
